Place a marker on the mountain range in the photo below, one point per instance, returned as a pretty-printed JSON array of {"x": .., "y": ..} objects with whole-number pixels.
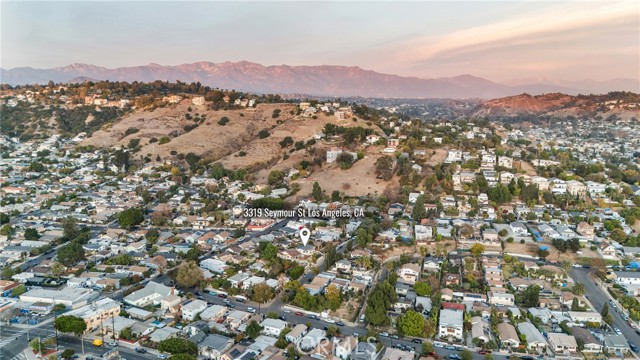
[{"x": 324, "y": 80}]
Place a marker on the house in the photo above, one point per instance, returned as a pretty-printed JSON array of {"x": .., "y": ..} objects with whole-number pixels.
[
  {"x": 213, "y": 346},
  {"x": 480, "y": 329},
  {"x": 508, "y": 335},
  {"x": 423, "y": 233},
  {"x": 518, "y": 228},
  {"x": 504, "y": 299},
  {"x": 409, "y": 273},
  {"x": 273, "y": 327},
  {"x": 365, "y": 351},
  {"x": 543, "y": 314},
  {"x": 192, "y": 308},
  {"x": 345, "y": 347},
  {"x": 152, "y": 293},
  {"x": 581, "y": 317},
  {"x": 213, "y": 313},
  {"x": 591, "y": 344},
  {"x": 397, "y": 354},
  {"x": 312, "y": 339},
  {"x": 561, "y": 343},
  {"x": 532, "y": 335},
  {"x": 614, "y": 343},
  {"x": 94, "y": 313},
  {"x": 451, "y": 324},
  {"x": 296, "y": 334},
  {"x": 626, "y": 278},
  {"x": 586, "y": 230},
  {"x": 72, "y": 298},
  {"x": 607, "y": 250}
]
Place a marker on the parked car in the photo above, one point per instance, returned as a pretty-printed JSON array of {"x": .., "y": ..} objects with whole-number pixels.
[
  {"x": 395, "y": 337},
  {"x": 113, "y": 343},
  {"x": 617, "y": 331},
  {"x": 340, "y": 323},
  {"x": 213, "y": 293},
  {"x": 449, "y": 347},
  {"x": 224, "y": 296},
  {"x": 330, "y": 321},
  {"x": 163, "y": 356},
  {"x": 454, "y": 357},
  {"x": 287, "y": 311},
  {"x": 298, "y": 313},
  {"x": 141, "y": 350},
  {"x": 384, "y": 334},
  {"x": 311, "y": 316},
  {"x": 251, "y": 310},
  {"x": 633, "y": 347},
  {"x": 282, "y": 318},
  {"x": 416, "y": 341},
  {"x": 226, "y": 301},
  {"x": 484, "y": 352},
  {"x": 231, "y": 306}
]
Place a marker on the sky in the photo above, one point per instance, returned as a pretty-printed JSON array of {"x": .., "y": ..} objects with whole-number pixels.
[{"x": 508, "y": 41}]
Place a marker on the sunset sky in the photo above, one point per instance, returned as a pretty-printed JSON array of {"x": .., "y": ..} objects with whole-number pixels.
[{"x": 502, "y": 41}]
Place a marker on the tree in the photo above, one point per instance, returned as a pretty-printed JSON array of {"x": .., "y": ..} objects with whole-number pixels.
[
  {"x": 578, "y": 289},
  {"x": 466, "y": 354},
  {"x": 130, "y": 217},
  {"x": 182, "y": 357},
  {"x": 31, "y": 234},
  {"x": 419, "y": 211},
  {"x": 411, "y": 323},
  {"x": 4, "y": 218},
  {"x": 605, "y": 310},
  {"x": 477, "y": 250},
  {"x": 384, "y": 167},
  {"x": 70, "y": 254},
  {"x": 427, "y": 347},
  {"x": 68, "y": 353},
  {"x": 333, "y": 297},
  {"x": 531, "y": 296},
  {"x": 317, "y": 191},
  {"x": 262, "y": 293},
  {"x": 276, "y": 177},
  {"x": 189, "y": 274},
  {"x": 126, "y": 334},
  {"x": 423, "y": 289},
  {"x": 253, "y": 329},
  {"x": 575, "y": 306},
  {"x": 272, "y": 315},
  {"x": 70, "y": 324},
  {"x": 178, "y": 346},
  {"x": 6, "y": 230},
  {"x": 36, "y": 345},
  {"x": 18, "y": 290}
]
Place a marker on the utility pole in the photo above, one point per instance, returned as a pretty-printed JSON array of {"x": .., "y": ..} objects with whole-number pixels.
[{"x": 55, "y": 317}]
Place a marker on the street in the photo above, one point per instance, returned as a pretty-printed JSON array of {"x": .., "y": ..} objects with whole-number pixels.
[{"x": 598, "y": 298}]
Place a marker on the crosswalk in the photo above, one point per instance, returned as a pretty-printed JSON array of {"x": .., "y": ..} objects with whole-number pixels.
[
  {"x": 13, "y": 337},
  {"x": 21, "y": 356}
]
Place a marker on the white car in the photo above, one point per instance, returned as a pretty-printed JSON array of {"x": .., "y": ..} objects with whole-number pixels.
[
  {"x": 287, "y": 311},
  {"x": 251, "y": 310},
  {"x": 163, "y": 356},
  {"x": 330, "y": 321},
  {"x": 384, "y": 334},
  {"x": 226, "y": 301},
  {"x": 617, "y": 331}
]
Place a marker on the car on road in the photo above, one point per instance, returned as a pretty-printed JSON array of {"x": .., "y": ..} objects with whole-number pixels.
[
  {"x": 224, "y": 296},
  {"x": 213, "y": 293},
  {"x": 526, "y": 357},
  {"x": 311, "y": 316},
  {"x": 340, "y": 323},
  {"x": 330, "y": 321},
  {"x": 416, "y": 341},
  {"x": 141, "y": 350},
  {"x": 484, "y": 352},
  {"x": 633, "y": 347},
  {"x": 287, "y": 311},
  {"x": 454, "y": 357},
  {"x": 251, "y": 310},
  {"x": 198, "y": 293},
  {"x": 282, "y": 318},
  {"x": 163, "y": 356},
  {"x": 298, "y": 313},
  {"x": 113, "y": 343},
  {"x": 395, "y": 337},
  {"x": 226, "y": 301},
  {"x": 355, "y": 334},
  {"x": 231, "y": 306},
  {"x": 449, "y": 347},
  {"x": 384, "y": 334},
  {"x": 617, "y": 331},
  {"x": 438, "y": 344}
]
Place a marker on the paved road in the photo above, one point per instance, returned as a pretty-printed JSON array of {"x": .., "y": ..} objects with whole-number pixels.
[{"x": 598, "y": 298}]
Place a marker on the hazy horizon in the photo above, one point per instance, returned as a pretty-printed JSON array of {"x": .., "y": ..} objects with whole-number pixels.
[{"x": 512, "y": 42}]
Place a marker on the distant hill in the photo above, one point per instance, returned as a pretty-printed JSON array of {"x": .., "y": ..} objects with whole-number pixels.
[
  {"x": 312, "y": 80},
  {"x": 621, "y": 104}
]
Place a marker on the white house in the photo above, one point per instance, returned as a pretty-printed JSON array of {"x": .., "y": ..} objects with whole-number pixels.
[
  {"x": 273, "y": 327},
  {"x": 191, "y": 309},
  {"x": 451, "y": 324},
  {"x": 409, "y": 273}
]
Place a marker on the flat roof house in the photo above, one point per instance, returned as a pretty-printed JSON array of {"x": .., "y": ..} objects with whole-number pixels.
[
  {"x": 451, "y": 323},
  {"x": 561, "y": 343},
  {"x": 532, "y": 335}
]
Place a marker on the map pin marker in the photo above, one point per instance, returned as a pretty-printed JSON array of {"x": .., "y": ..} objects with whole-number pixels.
[{"x": 304, "y": 235}]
